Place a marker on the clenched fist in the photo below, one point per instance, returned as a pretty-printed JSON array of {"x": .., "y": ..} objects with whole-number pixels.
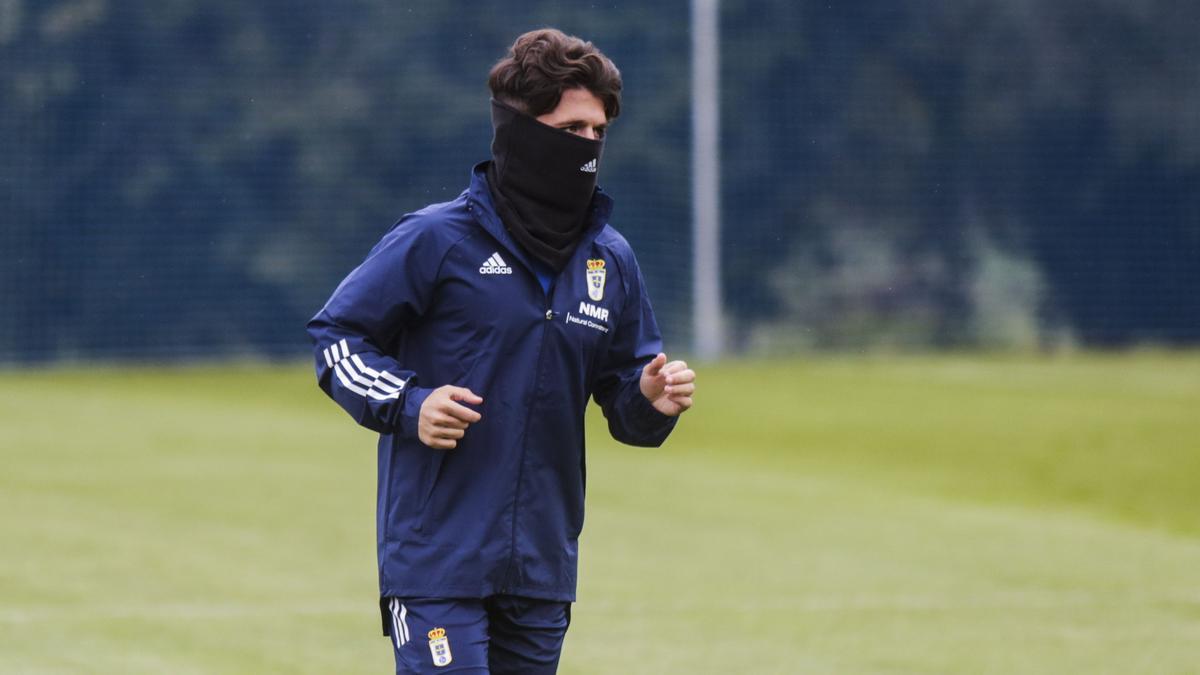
[
  {"x": 668, "y": 386},
  {"x": 443, "y": 419}
]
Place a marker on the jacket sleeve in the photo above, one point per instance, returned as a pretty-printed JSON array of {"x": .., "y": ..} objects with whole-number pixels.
[
  {"x": 367, "y": 312},
  {"x": 636, "y": 341}
]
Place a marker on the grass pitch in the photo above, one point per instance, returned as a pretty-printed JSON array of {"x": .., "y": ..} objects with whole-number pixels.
[{"x": 900, "y": 515}]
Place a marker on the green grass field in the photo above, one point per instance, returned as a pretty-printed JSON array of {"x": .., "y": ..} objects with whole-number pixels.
[{"x": 877, "y": 515}]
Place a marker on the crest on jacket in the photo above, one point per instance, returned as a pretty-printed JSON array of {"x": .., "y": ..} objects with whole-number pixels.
[{"x": 595, "y": 279}]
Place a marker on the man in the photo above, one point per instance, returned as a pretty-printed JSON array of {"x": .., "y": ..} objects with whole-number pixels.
[{"x": 471, "y": 338}]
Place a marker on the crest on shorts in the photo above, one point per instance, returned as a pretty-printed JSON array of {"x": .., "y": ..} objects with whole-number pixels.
[
  {"x": 439, "y": 646},
  {"x": 595, "y": 279}
]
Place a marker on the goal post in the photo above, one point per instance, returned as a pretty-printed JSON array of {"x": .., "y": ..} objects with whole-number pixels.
[{"x": 708, "y": 322}]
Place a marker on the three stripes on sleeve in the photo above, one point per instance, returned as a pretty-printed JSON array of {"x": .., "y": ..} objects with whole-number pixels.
[{"x": 358, "y": 377}]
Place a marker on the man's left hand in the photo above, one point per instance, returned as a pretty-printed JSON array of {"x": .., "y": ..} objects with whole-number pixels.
[{"x": 668, "y": 386}]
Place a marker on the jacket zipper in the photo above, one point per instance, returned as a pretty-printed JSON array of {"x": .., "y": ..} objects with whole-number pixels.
[{"x": 506, "y": 583}]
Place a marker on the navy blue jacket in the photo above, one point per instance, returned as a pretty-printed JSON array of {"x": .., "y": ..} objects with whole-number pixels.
[{"x": 448, "y": 297}]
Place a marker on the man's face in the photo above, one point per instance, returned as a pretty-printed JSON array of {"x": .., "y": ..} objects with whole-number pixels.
[{"x": 578, "y": 112}]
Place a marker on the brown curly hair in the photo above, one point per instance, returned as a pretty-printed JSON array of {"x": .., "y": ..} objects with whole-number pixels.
[{"x": 543, "y": 63}]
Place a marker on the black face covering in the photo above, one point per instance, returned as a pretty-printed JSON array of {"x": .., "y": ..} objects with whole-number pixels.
[{"x": 542, "y": 180}]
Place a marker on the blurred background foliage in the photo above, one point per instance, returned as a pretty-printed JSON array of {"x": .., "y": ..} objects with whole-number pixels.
[{"x": 191, "y": 179}]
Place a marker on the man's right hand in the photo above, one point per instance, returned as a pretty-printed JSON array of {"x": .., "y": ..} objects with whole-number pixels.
[{"x": 443, "y": 420}]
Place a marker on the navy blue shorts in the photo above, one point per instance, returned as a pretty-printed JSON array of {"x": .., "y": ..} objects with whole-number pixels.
[{"x": 495, "y": 635}]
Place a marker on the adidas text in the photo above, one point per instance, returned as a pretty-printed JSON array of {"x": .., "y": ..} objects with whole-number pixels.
[{"x": 495, "y": 265}]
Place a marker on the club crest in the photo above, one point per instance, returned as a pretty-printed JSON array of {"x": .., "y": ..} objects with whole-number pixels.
[
  {"x": 595, "y": 279},
  {"x": 439, "y": 646}
]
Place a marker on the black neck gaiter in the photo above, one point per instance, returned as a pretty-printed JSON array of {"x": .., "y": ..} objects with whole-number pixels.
[{"x": 542, "y": 180}]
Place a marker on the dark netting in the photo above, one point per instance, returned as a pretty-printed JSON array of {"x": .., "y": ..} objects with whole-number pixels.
[{"x": 191, "y": 179}]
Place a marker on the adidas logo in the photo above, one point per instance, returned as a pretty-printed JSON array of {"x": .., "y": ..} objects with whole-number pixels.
[
  {"x": 590, "y": 167},
  {"x": 495, "y": 265}
]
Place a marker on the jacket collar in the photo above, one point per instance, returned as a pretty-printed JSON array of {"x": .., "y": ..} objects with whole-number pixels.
[{"x": 479, "y": 200}]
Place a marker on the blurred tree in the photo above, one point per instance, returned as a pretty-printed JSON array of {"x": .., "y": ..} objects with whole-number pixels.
[
  {"x": 190, "y": 178},
  {"x": 898, "y": 146}
]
